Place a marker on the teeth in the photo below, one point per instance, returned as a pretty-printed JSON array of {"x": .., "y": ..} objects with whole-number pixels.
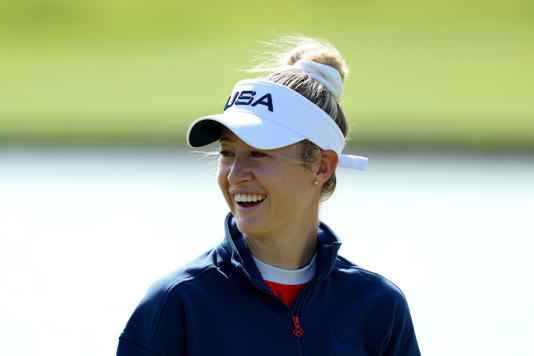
[{"x": 248, "y": 198}]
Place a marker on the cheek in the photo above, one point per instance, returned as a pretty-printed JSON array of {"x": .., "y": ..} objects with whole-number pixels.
[
  {"x": 222, "y": 181},
  {"x": 293, "y": 189},
  {"x": 222, "y": 178}
]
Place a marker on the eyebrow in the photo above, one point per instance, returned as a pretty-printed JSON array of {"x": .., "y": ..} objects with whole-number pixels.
[{"x": 225, "y": 139}]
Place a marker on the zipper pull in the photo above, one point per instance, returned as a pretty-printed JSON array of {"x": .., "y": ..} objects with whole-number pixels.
[{"x": 298, "y": 332}]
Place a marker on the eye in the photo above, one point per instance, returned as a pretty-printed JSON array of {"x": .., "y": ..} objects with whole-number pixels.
[
  {"x": 257, "y": 154},
  {"x": 225, "y": 153}
]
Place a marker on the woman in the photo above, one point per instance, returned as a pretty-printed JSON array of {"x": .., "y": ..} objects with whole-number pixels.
[{"x": 275, "y": 285}]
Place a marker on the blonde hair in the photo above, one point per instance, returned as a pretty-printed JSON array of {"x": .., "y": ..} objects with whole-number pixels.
[{"x": 289, "y": 50}]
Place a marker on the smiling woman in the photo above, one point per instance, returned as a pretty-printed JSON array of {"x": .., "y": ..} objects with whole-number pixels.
[
  {"x": 286, "y": 212},
  {"x": 276, "y": 281}
]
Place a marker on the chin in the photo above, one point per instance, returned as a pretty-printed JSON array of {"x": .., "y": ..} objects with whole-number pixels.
[{"x": 248, "y": 226}]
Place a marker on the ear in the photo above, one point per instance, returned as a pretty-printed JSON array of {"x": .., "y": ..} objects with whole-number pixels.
[{"x": 327, "y": 166}]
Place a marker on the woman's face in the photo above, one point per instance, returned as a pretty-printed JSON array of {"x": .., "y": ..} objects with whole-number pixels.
[{"x": 270, "y": 193}]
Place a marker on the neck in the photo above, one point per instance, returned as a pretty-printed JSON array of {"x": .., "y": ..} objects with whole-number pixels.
[{"x": 289, "y": 252}]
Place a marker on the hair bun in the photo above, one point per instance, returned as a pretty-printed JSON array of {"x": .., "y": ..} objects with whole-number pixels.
[
  {"x": 330, "y": 68},
  {"x": 298, "y": 53},
  {"x": 312, "y": 50}
]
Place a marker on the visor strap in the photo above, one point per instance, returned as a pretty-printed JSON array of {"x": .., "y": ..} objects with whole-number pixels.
[{"x": 354, "y": 162}]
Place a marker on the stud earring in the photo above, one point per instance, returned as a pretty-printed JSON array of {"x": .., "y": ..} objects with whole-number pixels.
[{"x": 315, "y": 181}]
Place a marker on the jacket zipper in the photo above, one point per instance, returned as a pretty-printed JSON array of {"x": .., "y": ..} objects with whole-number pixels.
[{"x": 297, "y": 331}]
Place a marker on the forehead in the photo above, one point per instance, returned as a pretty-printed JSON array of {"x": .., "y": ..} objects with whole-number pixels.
[{"x": 228, "y": 137}]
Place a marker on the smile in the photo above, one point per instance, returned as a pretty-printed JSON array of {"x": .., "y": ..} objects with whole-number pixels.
[{"x": 248, "y": 200}]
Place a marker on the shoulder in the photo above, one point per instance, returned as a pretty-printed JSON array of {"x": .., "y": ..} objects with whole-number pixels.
[
  {"x": 164, "y": 301},
  {"x": 171, "y": 283},
  {"x": 190, "y": 272},
  {"x": 383, "y": 301},
  {"x": 368, "y": 282}
]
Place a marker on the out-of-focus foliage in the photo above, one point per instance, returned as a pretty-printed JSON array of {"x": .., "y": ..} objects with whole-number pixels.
[{"x": 438, "y": 73}]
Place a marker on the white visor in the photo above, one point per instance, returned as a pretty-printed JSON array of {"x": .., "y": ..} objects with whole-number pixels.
[{"x": 266, "y": 115}]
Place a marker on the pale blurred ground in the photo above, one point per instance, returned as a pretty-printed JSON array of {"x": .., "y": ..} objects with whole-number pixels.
[{"x": 85, "y": 231}]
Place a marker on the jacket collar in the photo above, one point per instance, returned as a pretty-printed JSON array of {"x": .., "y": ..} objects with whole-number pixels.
[{"x": 234, "y": 245}]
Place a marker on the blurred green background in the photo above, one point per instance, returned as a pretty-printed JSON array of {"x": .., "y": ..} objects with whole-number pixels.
[{"x": 443, "y": 74}]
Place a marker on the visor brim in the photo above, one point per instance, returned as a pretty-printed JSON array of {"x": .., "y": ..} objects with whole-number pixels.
[{"x": 255, "y": 131}]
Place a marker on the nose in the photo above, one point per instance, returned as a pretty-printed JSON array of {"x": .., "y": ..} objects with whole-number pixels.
[{"x": 240, "y": 171}]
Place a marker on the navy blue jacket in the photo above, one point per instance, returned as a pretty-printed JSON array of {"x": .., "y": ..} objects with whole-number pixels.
[{"x": 219, "y": 305}]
